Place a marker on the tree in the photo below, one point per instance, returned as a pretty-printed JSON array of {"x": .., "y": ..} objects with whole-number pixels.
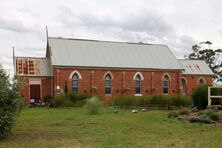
[
  {"x": 200, "y": 97},
  {"x": 211, "y": 56},
  {"x": 10, "y": 102},
  {"x": 66, "y": 88}
]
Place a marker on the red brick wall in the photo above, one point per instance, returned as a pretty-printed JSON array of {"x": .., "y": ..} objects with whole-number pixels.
[
  {"x": 192, "y": 81},
  {"x": 45, "y": 87},
  {"x": 122, "y": 79},
  {"x": 152, "y": 83},
  {"x": 24, "y": 91}
]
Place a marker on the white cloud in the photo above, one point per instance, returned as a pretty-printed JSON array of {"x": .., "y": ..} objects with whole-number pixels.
[
  {"x": 13, "y": 25},
  {"x": 179, "y": 24}
]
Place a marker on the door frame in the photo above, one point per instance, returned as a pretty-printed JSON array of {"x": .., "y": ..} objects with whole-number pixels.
[{"x": 35, "y": 81}]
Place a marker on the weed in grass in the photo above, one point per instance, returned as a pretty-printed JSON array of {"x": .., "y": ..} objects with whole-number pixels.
[
  {"x": 212, "y": 115},
  {"x": 173, "y": 114},
  {"x": 92, "y": 105}
]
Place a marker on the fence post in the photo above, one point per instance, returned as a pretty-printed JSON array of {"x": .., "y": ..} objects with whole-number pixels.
[{"x": 209, "y": 100}]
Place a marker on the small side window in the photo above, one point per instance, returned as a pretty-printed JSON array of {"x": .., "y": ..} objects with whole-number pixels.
[
  {"x": 166, "y": 84},
  {"x": 138, "y": 84},
  {"x": 75, "y": 83},
  {"x": 108, "y": 84}
]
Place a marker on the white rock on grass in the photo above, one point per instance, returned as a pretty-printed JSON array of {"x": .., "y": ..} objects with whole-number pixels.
[
  {"x": 134, "y": 111},
  {"x": 143, "y": 110}
]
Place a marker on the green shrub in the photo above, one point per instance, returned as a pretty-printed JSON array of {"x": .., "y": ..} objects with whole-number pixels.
[
  {"x": 71, "y": 96},
  {"x": 82, "y": 96},
  {"x": 70, "y": 99},
  {"x": 11, "y": 103},
  {"x": 48, "y": 99},
  {"x": 62, "y": 101},
  {"x": 200, "y": 97},
  {"x": 127, "y": 101},
  {"x": 180, "y": 101},
  {"x": 163, "y": 101},
  {"x": 59, "y": 100},
  {"x": 68, "y": 103},
  {"x": 92, "y": 105},
  {"x": 78, "y": 99},
  {"x": 143, "y": 100},
  {"x": 159, "y": 99}
]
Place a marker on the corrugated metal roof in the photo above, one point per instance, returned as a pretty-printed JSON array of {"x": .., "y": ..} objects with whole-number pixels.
[
  {"x": 195, "y": 67},
  {"x": 31, "y": 66},
  {"x": 93, "y": 53}
]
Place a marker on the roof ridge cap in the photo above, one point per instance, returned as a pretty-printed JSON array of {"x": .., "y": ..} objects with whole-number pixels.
[{"x": 94, "y": 40}]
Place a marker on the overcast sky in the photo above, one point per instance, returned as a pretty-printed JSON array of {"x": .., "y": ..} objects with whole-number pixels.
[{"x": 176, "y": 23}]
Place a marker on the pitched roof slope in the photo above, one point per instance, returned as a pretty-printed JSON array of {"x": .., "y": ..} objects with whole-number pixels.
[
  {"x": 93, "y": 53},
  {"x": 195, "y": 67}
]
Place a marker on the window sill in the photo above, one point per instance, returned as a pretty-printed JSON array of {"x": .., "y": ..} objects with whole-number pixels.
[
  {"x": 138, "y": 95},
  {"x": 166, "y": 94},
  {"x": 107, "y": 94}
]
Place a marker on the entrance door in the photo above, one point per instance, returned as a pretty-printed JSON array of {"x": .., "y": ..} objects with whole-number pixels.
[{"x": 35, "y": 93}]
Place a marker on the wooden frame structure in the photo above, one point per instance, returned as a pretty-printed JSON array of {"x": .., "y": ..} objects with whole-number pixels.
[{"x": 212, "y": 96}]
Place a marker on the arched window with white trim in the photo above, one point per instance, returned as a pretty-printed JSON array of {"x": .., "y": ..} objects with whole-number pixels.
[
  {"x": 166, "y": 84},
  {"x": 138, "y": 84},
  {"x": 201, "y": 82},
  {"x": 108, "y": 84},
  {"x": 184, "y": 86},
  {"x": 75, "y": 83}
]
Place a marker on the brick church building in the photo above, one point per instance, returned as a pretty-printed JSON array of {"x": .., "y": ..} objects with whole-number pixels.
[{"x": 108, "y": 69}]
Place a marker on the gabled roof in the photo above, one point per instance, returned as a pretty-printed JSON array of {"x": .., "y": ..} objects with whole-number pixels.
[
  {"x": 32, "y": 66},
  {"x": 195, "y": 67},
  {"x": 93, "y": 53}
]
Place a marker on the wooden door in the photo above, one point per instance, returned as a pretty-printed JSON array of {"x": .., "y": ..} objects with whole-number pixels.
[{"x": 35, "y": 93}]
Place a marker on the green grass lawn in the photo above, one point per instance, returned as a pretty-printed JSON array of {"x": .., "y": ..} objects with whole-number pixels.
[{"x": 72, "y": 127}]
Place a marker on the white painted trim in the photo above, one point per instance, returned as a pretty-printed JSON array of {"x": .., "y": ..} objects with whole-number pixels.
[
  {"x": 138, "y": 73},
  {"x": 138, "y": 94},
  {"x": 108, "y": 72},
  {"x": 166, "y": 74},
  {"x": 73, "y": 72},
  {"x": 198, "y": 82},
  {"x": 209, "y": 95},
  {"x": 34, "y": 81}
]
